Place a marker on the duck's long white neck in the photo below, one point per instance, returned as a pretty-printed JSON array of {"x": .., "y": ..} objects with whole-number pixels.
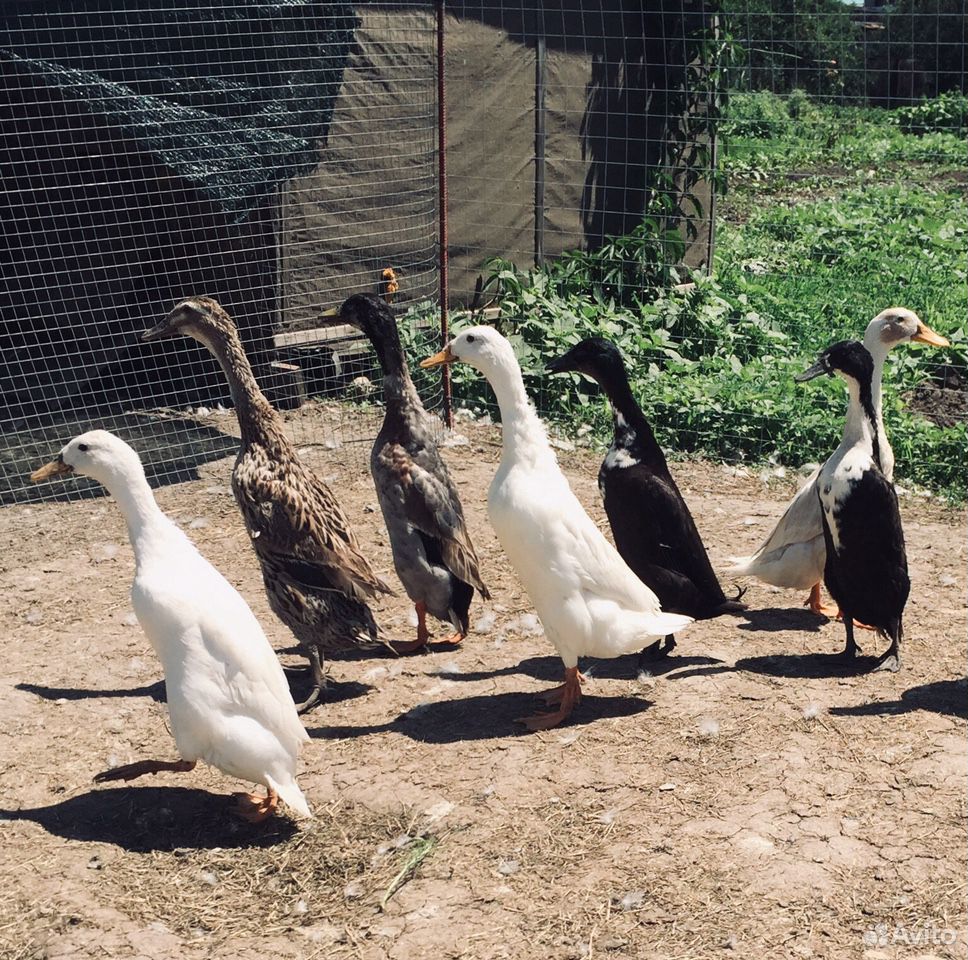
[
  {"x": 137, "y": 504},
  {"x": 879, "y": 350},
  {"x": 523, "y": 433}
]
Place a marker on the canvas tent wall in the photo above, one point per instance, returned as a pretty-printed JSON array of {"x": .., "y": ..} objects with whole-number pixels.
[
  {"x": 610, "y": 71},
  {"x": 140, "y": 155}
]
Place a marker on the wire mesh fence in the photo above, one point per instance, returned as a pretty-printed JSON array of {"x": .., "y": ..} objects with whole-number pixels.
[
  {"x": 156, "y": 151},
  {"x": 722, "y": 188},
  {"x": 725, "y": 189}
]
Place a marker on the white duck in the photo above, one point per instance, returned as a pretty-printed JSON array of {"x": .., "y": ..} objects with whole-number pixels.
[
  {"x": 227, "y": 696},
  {"x": 590, "y": 603},
  {"x": 793, "y": 554}
]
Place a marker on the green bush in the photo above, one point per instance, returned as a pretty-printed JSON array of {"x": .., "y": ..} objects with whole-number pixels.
[
  {"x": 949, "y": 111},
  {"x": 760, "y": 115},
  {"x": 799, "y": 264}
]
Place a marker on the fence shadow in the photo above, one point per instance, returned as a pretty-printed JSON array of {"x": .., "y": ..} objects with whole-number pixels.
[{"x": 172, "y": 450}]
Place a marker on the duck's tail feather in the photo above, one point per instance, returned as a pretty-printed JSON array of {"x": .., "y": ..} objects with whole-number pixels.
[
  {"x": 743, "y": 566},
  {"x": 661, "y": 624},
  {"x": 292, "y": 796}
]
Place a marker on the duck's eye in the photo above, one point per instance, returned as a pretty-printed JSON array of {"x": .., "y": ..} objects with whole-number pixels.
[
  {"x": 471, "y": 338},
  {"x": 83, "y": 447}
]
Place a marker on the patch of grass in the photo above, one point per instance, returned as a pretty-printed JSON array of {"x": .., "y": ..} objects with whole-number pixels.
[
  {"x": 418, "y": 851},
  {"x": 800, "y": 262},
  {"x": 325, "y": 872},
  {"x": 766, "y": 135}
]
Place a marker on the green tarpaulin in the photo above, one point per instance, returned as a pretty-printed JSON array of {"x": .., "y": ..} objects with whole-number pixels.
[{"x": 234, "y": 98}]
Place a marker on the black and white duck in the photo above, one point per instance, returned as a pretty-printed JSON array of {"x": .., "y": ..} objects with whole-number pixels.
[
  {"x": 651, "y": 523},
  {"x": 793, "y": 554},
  {"x": 432, "y": 550},
  {"x": 316, "y": 579},
  {"x": 866, "y": 567}
]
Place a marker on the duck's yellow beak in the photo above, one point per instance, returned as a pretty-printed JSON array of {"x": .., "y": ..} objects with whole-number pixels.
[
  {"x": 330, "y": 317},
  {"x": 445, "y": 356},
  {"x": 926, "y": 335},
  {"x": 55, "y": 468}
]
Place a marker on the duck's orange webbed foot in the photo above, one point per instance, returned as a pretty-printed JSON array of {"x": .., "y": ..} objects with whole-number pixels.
[
  {"x": 816, "y": 604},
  {"x": 423, "y": 634},
  {"x": 454, "y": 638},
  {"x": 254, "y": 809},
  {"x": 567, "y": 696}
]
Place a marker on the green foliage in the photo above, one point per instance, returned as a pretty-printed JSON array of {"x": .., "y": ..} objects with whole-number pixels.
[
  {"x": 761, "y": 115},
  {"x": 761, "y": 139},
  {"x": 948, "y": 111},
  {"x": 623, "y": 270},
  {"x": 799, "y": 46},
  {"x": 800, "y": 263}
]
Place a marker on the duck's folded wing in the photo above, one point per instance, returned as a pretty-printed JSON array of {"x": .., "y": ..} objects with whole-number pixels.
[
  {"x": 316, "y": 573},
  {"x": 297, "y": 520},
  {"x": 800, "y": 523},
  {"x": 249, "y": 674},
  {"x": 432, "y": 504},
  {"x": 599, "y": 567},
  {"x": 667, "y": 531}
]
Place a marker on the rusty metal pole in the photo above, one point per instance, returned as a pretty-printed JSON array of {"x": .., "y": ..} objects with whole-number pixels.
[
  {"x": 540, "y": 139},
  {"x": 442, "y": 192}
]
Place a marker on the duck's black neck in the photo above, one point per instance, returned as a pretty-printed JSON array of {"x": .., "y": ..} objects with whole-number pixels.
[
  {"x": 632, "y": 431},
  {"x": 398, "y": 388}
]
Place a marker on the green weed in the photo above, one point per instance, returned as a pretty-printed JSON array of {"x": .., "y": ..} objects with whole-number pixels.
[{"x": 800, "y": 262}]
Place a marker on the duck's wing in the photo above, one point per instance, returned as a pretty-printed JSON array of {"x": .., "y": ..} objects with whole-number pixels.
[
  {"x": 432, "y": 505},
  {"x": 866, "y": 571},
  {"x": 593, "y": 561},
  {"x": 663, "y": 532},
  {"x": 242, "y": 669},
  {"x": 293, "y": 516},
  {"x": 801, "y": 522}
]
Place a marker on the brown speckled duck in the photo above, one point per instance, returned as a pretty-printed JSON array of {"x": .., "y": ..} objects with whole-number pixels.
[
  {"x": 316, "y": 579},
  {"x": 432, "y": 550}
]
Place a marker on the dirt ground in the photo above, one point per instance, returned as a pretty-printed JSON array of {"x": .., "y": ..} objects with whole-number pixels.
[{"x": 745, "y": 798}]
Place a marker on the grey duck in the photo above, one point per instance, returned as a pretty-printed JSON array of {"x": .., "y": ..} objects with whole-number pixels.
[{"x": 432, "y": 550}]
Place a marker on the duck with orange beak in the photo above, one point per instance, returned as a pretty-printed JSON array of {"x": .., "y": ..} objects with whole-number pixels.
[{"x": 589, "y": 601}]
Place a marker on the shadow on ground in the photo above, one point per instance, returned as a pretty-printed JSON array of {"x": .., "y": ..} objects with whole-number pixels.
[
  {"x": 155, "y": 690},
  {"x": 810, "y": 665},
  {"x": 336, "y": 691},
  {"x": 948, "y": 697},
  {"x": 144, "y": 819},
  {"x": 776, "y": 619},
  {"x": 171, "y": 448},
  {"x": 485, "y": 717},
  {"x": 629, "y": 667}
]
